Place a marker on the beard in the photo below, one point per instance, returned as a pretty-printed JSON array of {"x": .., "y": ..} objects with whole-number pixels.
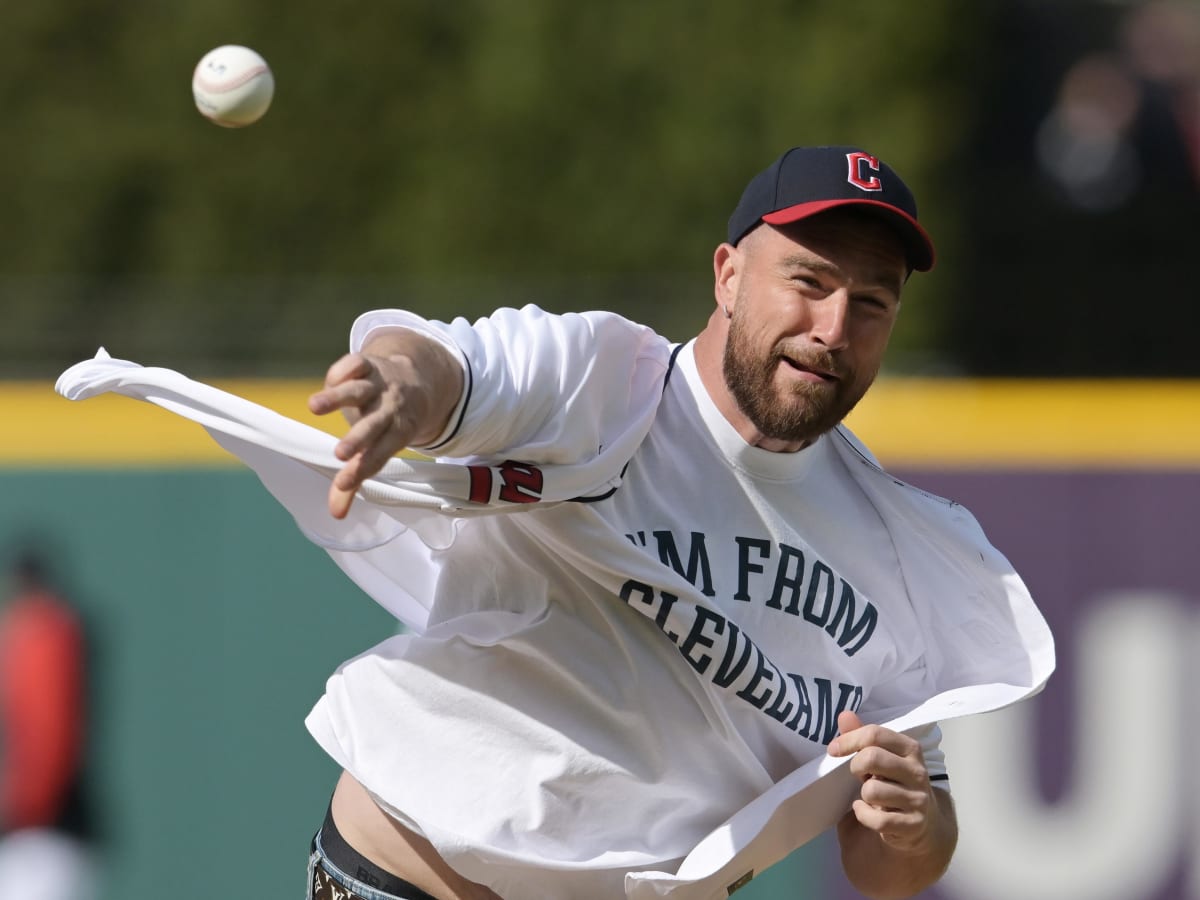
[{"x": 801, "y": 412}]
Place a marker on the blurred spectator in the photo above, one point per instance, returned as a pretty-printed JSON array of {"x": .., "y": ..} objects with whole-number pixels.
[
  {"x": 46, "y": 830},
  {"x": 1080, "y": 193},
  {"x": 1131, "y": 117}
]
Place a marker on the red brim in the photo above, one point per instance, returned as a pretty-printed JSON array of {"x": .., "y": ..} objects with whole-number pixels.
[{"x": 918, "y": 244}]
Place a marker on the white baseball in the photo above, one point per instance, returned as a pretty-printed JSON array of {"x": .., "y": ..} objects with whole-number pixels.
[{"x": 233, "y": 86}]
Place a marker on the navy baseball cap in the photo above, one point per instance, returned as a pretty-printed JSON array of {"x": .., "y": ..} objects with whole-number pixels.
[{"x": 808, "y": 180}]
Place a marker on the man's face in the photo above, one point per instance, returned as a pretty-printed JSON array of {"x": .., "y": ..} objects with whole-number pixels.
[{"x": 814, "y": 307}]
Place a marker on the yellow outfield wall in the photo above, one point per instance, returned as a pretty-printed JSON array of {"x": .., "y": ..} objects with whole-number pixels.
[{"x": 906, "y": 422}]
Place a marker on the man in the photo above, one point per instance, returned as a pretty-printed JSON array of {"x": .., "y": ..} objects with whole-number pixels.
[
  {"x": 735, "y": 471},
  {"x": 660, "y": 603}
]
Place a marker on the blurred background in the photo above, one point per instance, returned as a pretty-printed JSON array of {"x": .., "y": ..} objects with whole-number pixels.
[{"x": 457, "y": 156}]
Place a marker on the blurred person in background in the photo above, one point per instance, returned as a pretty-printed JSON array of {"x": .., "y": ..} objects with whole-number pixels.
[
  {"x": 1127, "y": 119},
  {"x": 1111, "y": 129},
  {"x": 47, "y": 836}
]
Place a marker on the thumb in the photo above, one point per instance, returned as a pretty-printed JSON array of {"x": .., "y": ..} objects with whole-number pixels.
[{"x": 847, "y": 721}]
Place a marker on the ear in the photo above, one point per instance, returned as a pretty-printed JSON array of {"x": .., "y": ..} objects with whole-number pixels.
[{"x": 727, "y": 261}]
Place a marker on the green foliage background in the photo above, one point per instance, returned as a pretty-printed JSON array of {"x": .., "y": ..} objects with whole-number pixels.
[{"x": 443, "y": 156}]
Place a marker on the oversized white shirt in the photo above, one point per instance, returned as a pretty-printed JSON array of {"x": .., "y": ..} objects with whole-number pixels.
[{"x": 629, "y": 688}]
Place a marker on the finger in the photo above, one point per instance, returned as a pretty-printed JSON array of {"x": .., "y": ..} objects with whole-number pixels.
[
  {"x": 893, "y": 796},
  {"x": 847, "y": 721},
  {"x": 343, "y": 488},
  {"x": 339, "y": 501},
  {"x": 377, "y": 434},
  {"x": 893, "y": 826},
  {"x": 359, "y": 392},
  {"x": 360, "y": 465},
  {"x": 875, "y": 763},
  {"x": 377, "y": 455},
  {"x": 874, "y": 736},
  {"x": 349, "y": 367},
  {"x": 352, "y": 365}
]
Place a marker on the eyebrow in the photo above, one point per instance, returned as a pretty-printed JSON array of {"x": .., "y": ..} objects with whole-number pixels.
[{"x": 879, "y": 279}]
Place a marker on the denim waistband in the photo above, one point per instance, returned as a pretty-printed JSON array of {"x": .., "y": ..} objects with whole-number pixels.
[{"x": 355, "y": 872}]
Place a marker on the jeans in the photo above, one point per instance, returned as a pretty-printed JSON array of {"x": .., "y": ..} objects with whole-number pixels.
[{"x": 329, "y": 858}]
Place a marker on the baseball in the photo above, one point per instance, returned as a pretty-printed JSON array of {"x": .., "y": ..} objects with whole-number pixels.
[{"x": 233, "y": 86}]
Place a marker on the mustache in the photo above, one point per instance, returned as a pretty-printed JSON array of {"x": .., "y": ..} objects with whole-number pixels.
[{"x": 817, "y": 360}]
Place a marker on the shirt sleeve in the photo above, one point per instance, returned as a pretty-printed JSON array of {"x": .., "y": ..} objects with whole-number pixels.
[
  {"x": 930, "y": 739},
  {"x": 538, "y": 387},
  {"x": 901, "y": 692}
]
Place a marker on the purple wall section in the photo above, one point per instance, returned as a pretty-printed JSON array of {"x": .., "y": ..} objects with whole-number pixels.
[{"x": 1085, "y": 542}]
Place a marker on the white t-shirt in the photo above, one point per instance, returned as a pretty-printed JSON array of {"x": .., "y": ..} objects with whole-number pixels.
[
  {"x": 588, "y": 687},
  {"x": 561, "y": 722}
]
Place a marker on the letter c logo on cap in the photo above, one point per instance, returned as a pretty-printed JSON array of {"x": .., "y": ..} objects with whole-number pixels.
[{"x": 858, "y": 162}]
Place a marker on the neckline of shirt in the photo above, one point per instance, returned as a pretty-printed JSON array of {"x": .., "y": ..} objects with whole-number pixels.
[{"x": 743, "y": 456}]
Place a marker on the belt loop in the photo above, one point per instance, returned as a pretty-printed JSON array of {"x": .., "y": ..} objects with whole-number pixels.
[{"x": 312, "y": 874}]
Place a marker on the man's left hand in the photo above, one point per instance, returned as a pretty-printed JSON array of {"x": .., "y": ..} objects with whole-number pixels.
[{"x": 896, "y": 800}]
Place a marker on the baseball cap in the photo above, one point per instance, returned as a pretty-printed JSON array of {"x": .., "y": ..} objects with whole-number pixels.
[{"x": 807, "y": 180}]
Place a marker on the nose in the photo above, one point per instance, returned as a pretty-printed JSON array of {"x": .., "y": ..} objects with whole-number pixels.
[{"x": 830, "y": 320}]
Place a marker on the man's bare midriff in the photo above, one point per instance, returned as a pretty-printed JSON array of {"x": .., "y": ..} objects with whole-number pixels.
[{"x": 399, "y": 850}]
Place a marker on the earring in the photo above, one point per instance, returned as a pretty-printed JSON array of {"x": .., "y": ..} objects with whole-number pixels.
[{"x": 728, "y": 314}]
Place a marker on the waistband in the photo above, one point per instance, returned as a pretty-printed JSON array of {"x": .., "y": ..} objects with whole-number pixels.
[{"x": 357, "y": 866}]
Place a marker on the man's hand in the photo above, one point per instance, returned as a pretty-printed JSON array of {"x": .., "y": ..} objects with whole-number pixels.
[
  {"x": 900, "y": 832},
  {"x": 397, "y": 393}
]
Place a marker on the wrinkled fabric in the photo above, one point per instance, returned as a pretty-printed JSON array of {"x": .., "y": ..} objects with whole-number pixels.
[{"x": 988, "y": 649}]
